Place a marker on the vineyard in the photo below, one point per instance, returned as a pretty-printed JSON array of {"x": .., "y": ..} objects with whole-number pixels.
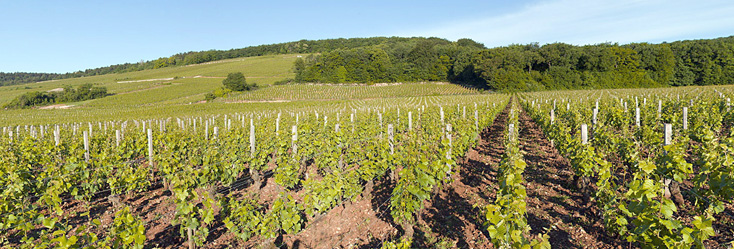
[
  {"x": 568, "y": 169},
  {"x": 192, "y": 180},
  {"x": 657, "y": 165},
  {"x": 337, "y": 91}
]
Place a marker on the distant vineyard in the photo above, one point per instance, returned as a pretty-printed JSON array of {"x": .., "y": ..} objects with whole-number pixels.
[{"x": 341, "y": 92}]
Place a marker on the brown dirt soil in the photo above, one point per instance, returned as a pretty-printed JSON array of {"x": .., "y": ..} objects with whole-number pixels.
[
  {"x": 552, "y": 204},
  {"x": 361, "y": 223},
  {"x": 453, "y": 215}
]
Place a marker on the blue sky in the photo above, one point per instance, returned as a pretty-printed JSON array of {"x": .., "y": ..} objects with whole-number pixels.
[{"x": 65, "y": 36}]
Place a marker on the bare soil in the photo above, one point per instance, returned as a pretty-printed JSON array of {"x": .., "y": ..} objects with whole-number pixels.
[
  {"x": 454, "y": 215},
  {"x": 57, "y": 106},
  {"x": 553, "y": 205}
]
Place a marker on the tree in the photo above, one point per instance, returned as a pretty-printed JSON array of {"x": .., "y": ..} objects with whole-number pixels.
[
  {"x": 237, "y": 82},
  {"x": 466, "y": 42}
]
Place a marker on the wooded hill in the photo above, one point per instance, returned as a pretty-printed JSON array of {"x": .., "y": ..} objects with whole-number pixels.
[{"x": 528, "y": 67}]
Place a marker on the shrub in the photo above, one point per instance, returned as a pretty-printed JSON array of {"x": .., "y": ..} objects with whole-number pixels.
[
  {"x": 209, "y": 97},
  {"x": 237, "y": 82}
]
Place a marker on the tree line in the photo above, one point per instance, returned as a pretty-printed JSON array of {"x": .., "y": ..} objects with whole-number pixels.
[
  {"x": 68, "y": 94},
  {"x": 527, "y": 67}
]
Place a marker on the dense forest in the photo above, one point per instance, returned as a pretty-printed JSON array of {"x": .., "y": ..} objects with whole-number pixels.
[
  {"x": 528, "y": 67},
  {"x": 68, "y": 94},
  {"x": 188, "y": 58}
]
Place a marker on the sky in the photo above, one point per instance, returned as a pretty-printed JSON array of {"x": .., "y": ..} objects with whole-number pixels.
[{"x": 66, "y": 36}]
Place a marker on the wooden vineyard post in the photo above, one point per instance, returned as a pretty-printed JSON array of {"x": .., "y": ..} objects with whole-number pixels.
[
  {"x": 86, "y": 146},
  {"x": 584, "y": 134},
  {"x": 390, "y": 138},
  {"x": 637, "y": 117},
  {"x": 463, "y": 113},
  {"x": 510, "y": 132},
  {"x": 206, "y": 130},
  {"x": 476, "y": 120},
  {"x": 552, "y": 116},
  {"x": 442, "y": 123},
  {"x": 57, "y": 136},
  {"x": 190, "y": 233},
  {"x": 252, "y": 139},
  {"x": 277, "y": 124},
  {"x": 448, "y": 136},
  {"x": 150, "y": 148},
  {"x": 410, "y": 121},
  {"x": 379, "y": 117},
  {"x": 594, "y": 115},
  {"x": 351, "y": 118},
  {"x": 728, "y": 104},
  {"x": 685, "y": 118},
  {"x": 336, "y": 128},
  {"x": 215, "y": 134},
  {"x": 294, "y": 138},
  {"x": 398, "y": 116},
  {"x": 117, "y": 138},
  {"x": 668, "y": 134}
]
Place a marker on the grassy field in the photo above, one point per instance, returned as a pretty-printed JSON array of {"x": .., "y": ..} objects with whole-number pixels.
[{"x": 262, "y": 70}]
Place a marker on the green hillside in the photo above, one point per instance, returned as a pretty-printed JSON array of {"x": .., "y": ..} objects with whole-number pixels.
[
  {"x": 186, "y": 80},
  {"x": 178, "y": 91}
]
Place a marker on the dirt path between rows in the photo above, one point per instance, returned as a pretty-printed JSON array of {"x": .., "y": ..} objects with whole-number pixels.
[
  {"x": 552, "y": 202},
  {"x": 455, "y": 215}
]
